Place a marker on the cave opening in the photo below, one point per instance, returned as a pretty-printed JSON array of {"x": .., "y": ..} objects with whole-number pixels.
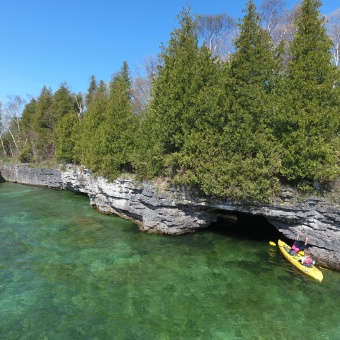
[{"x": 245, "y": 226}]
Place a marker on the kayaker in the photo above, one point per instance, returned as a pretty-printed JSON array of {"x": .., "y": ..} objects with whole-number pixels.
[
  {"x": 298, "y": 245},
  {"x": 307, "y": 259}
]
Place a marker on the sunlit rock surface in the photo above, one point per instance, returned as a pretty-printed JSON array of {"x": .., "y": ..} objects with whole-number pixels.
[{"x": 160, "y": 208}]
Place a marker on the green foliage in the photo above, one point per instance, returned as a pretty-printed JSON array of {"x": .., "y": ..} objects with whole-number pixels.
[
  {"x": 39, "y": 121},
  {"x": 175, "y": 86},
  {"x": 91, "y": 91},
  {"x": 230, "y": 129},
  {"x": 26, "y": 154},
  {"x": 66, "y": 137},
  {"x": 178, "y": 105},
  {"x": 6, "y": 141},
  {"x": 43, "y": 109},
  {"x": 207, "y": 124},
  {"x": 118, "y": 127},
  {"x": 107, "y": 130},
  {"x": 63, "y": 102},
  {"x": 309, "y": 120},
  {"x": 88, "y": 148},
  {"x": 28, "y": 120},
  {"x": 252, "y": 155}
]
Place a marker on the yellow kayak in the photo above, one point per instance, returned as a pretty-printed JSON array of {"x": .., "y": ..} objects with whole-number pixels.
[{"x": 295, "y": 260}]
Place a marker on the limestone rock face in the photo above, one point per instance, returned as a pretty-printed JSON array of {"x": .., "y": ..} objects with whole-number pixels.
[
  {"x": 23, "y": 173},
  {"x": 160, "y": 208}
]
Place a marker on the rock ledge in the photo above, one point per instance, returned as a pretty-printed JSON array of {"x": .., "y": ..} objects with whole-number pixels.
[{"x": 160, "y": 208}]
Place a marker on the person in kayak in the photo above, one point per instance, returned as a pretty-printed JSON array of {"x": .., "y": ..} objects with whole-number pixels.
[
  {"x": 298, "y": 245},
  {"x": 307, "y": 259}
]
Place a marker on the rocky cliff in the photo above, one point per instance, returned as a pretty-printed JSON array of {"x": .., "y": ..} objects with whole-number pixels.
[{"x": 159, "y": 207}]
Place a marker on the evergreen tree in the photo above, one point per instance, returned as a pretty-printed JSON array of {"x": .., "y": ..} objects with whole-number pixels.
[
  {"x": 65, "y": 137},
  {"x": 88, "y": 146},
  {"x": 29, "y": 134},
  {"x": 180, "y": 110},
  {"x": 118, "y": 127},
  {"x": 251, "y": 158},
  {"x": 63, "y": 102},
  {"x": 43, "y": 125},
  {"x": 174, "y": 86},
  {"x": 310, "y": 112},
  {"x": 27, "y": 118},
  {"x": 91, "y": 91}
]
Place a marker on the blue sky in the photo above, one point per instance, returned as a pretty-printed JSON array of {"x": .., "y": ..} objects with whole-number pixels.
[{"x": 45, "y": 42}]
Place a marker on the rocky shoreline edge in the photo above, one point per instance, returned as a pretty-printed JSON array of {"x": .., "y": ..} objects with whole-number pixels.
[{"x": 158, "y": 207}]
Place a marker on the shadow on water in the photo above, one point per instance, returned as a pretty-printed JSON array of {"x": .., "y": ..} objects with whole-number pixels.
[{"x": 245, "y": 227}]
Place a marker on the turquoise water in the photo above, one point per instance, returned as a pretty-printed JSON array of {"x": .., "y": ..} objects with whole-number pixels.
[{"x": 69, "y": 272}]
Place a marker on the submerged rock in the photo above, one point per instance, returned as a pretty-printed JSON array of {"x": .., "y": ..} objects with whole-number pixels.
[{"x": 159, "y": 207}]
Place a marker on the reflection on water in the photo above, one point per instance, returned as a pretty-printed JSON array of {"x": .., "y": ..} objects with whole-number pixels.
[{"x": 68, "y": 272}]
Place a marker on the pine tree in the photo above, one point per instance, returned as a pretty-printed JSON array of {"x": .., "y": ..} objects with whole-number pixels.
[
  {"x": 251, "y": 158},
  {"x": 91, "y": 90},
  {"x": 27, "y": 118},
  {"x": 28, "y": 132},
  {"x": 174, "y": 85},
  {"x": 118, "y": 127},
  {"x": 105, "y": 143},
  {"x": 63, "y": 102},
  {"x": 310, "y": 116},
  {"x": 180, "y": 110},
  {"x": 88, "y": 148},
  {"x": 43, "y": 126},
  {"x": 65, "y": 137}
]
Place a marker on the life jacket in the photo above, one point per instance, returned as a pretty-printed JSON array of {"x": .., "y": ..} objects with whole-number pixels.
[
  {"x": 298, "y": 245},
  {"x": 295, "y": 248},
  {"x": 308, "y": 260}
]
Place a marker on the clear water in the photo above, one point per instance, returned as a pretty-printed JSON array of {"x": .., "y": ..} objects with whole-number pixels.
[{"x": 69, "y": 272}]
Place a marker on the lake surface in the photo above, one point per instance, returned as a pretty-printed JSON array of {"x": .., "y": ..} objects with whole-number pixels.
[{"x": 69, "y": 272}]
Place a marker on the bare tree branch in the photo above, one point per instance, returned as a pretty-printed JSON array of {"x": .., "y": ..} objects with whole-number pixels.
[
  {"x": 80, "y": 101},
  {"x": 217, "y": 33},
  {"x": 272, "y": 13},
  {"x": 142, "y": 84},
  {"x": 334, "y": 32},
  {"x": 10, "y": 119}
]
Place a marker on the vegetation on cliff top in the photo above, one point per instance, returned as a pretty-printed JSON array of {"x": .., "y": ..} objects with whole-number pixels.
[{"x": 236, "y": 126}]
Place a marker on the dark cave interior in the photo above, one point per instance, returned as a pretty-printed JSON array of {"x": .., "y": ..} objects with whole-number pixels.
[{"x": 245, "y": 226}]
